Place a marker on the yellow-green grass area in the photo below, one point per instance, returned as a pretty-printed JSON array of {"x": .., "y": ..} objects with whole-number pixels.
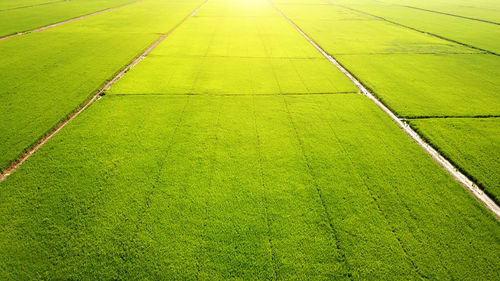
[
  {"x": 475, "y": 33},
  {"x": 473, "y": 144},
  {"x": 413, "y": 73},
  {"x": 433, "y": 84},
  {"x": 18, "y": 4},
  {"x": 47, "y": 75},
  {"x": 315, "y": 187},
  {"x": 18, "y": 20},
  {"x": 226, "y": 50},
  {"x": 341, "y": 31},
  {"x": 488, "y": 10}
]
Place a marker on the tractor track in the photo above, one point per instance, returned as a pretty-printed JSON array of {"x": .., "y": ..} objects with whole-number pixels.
[
  {"x": 461, "y": 178},
  {"x": 39, "y": 29},
  {"x": 96, "y": 96}
]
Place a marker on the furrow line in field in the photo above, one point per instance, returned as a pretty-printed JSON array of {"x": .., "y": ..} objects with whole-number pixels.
[
  {"x": 36, "y": 5},
  {"x": 319, "y": 192},
  {"x": 448, "y": 117},
  {"x": 96, "y": 96},
  {"x": 67, "y": 21},
  {"x": 264, "y": 199},
  {"x": 375, "y": 199},
  {"x": 438, "y": 158},
  {"x": 448, "y": 14},
  {"x": 233, "y": 95},
  {"x": 418, "y": 30}
]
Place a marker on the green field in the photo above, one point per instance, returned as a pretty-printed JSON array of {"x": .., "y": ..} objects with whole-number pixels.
[
  {"x": 46, "y": 75},
  {"x": 240, "y": 187},
  {"x": 235, "y": 150},
  {"x": 18, "y": 20},
  {"x": 476, "y": 150},
  {"x": 417, "y": 75},
  {"x": 474, "y": 33}
]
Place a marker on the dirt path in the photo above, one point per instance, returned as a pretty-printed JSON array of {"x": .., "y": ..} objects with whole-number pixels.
[
  {"x": 438, "y": 158},
  {"x": 66, "y": 21},
  {"x": 97, "y": 95}
]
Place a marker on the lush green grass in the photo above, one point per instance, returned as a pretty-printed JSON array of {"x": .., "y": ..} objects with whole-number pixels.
[
  {"x": 202, "y": 75},
  {"x": 431, "y": 85},
  {"x": 342, "y": 31},
  {"x": 9, "y": 4},
  {"x": 211, "y": 54},
  {"x": 151, "y": 182},
  {"x": 483, "y": 9},
  {"x": 472, "y": 143},
  {"x": 18, "y": 20},
  {"x": 46, "y": 75},
  {"x": 474, "y": 33},
  {"x": 293, "y": 187},
  {"x": 413, "y": 73}
]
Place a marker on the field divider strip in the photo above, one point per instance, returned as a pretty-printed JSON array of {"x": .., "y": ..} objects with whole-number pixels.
[
  {"x": 418, "y": 30},
  {"x": 448, "y": 117},
  {"x": 39, "y": 29},
  {"x": 480, "y": 195},
  {"x": 96, "y": 96},
  {"x": 232, "y": 95}
]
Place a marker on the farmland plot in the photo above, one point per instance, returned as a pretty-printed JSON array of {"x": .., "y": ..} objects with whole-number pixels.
[
  {"x": 414, "y": 74},
  {"x": 217, "y": 187},
  {"x": 235, "y": 54},
  {"x": 475, "y": 33},
  {"x": 19, "y": 20},
  {"x": 472, "y": 142},
  {"x": 432, "y": 85},
  {"x": 46, "y": 75},
  {"x": 232, "y": 151},
  {"x": 485, "y": 10},
  {"x": 20, "y": 4}
]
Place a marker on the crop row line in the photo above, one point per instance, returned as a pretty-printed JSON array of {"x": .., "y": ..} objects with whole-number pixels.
[
  {"x": 66, "y": 21},
  {"x": 233, "y": 95},
  {"x": 418, "y": 30},
  {"x": 96, "y": 96},
  {"x": 375, "y": 200},
  {"x": 410, "y": 53},
  {"x": 319, "y": 193},
  {"x": 238, "y": 57},
  {"x": 265, "y": 201},
  {"x": 438, "y": 158},
  {"x": 448, "y": 116}
]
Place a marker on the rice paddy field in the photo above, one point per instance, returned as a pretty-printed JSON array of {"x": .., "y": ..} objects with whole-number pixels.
[{"x": 216, "y": 140}]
